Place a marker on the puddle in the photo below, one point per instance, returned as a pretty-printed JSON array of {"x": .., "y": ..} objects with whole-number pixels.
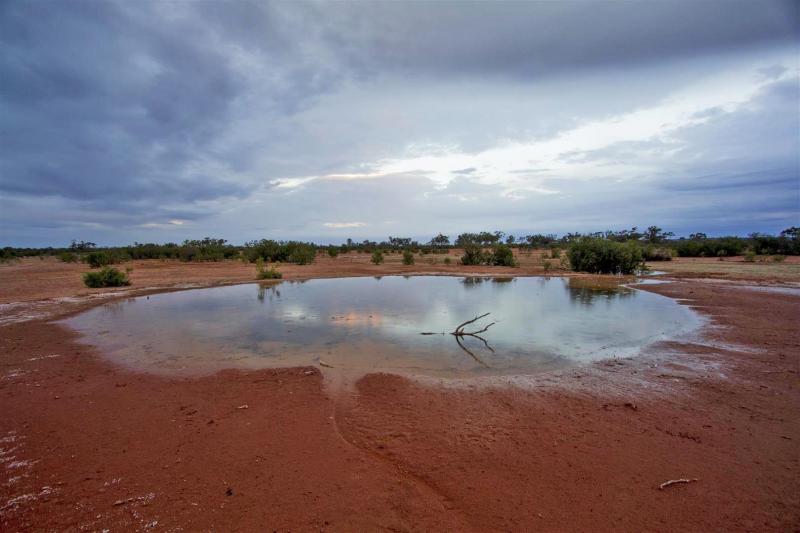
[
  {"x": 360, "y": 325},
  {"x": 791, "y": 291}
]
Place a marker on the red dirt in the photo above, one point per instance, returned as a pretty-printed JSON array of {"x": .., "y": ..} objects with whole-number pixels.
[{"x": 87, "y": 445}]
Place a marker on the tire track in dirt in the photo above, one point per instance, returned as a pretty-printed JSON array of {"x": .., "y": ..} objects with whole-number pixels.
[{"x": 427, "y": 491}]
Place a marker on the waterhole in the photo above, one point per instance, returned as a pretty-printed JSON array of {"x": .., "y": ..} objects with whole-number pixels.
[{"x": 392, "y": 323}]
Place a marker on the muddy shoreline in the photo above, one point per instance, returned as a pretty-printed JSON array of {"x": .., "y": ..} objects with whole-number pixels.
[{"x": 87, "y": 445}]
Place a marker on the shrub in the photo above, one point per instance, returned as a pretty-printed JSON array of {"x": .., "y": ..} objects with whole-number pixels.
[
  {"x": 447, "y": 260},
  {"x": 502, "y": 255},
  {"x": 100, "y": 259},
  {"x": 653, "y": 253},
  {"x": 302, "y": 254},
  {"x": 292, "y": 251},
  {"x": 106, "y": 277},
  {"x": 68, "y": 257},
  {"x": 750, "y": 256},
  {"x": 408, "y": 257},
  {"x": 547, "y": 265},
  {"x": 602, "y": 256},
  {"x": 377, "y": 257},
  {"x": 555, "y": 253},
  {"x": 266, "y": 273},
  {"x": 710, "y": 247},
  {"x": 473, "y": 255},
  {"x": 778, "y": 258},
  {"x": 333, "y": 251}
]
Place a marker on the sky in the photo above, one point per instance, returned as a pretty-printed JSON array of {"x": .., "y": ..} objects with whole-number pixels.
[{"x": 164, "y": 121}]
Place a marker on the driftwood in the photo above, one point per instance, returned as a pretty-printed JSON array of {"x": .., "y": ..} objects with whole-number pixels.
[
  {"x": 459, "y": 331},
  {"x": 459, "y": 334},
  {"x": 674, "y": 482}
]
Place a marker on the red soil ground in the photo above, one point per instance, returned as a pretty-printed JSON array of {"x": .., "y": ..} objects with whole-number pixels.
[{"x": 86, "y": 445}]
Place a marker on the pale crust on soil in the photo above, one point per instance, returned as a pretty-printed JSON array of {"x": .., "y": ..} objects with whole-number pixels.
[{"x": 87, "y": 445}]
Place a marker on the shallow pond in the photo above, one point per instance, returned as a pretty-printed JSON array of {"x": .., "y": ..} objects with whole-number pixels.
[{"x": 366, "y": 324}]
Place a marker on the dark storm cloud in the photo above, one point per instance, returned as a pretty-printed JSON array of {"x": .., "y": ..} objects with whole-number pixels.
[
  {"x": 120, "y": 115},
  {"x": 536, "y": 38}
]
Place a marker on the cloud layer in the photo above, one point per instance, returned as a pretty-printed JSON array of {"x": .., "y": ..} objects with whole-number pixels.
[{"x": 164, "y": 121}]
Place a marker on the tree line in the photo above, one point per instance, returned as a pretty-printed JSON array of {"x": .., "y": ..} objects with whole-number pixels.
[{"x": 485, "y": 247}]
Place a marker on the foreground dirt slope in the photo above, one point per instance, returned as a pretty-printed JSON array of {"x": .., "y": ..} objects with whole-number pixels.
[{"x": 85, "y": 445}]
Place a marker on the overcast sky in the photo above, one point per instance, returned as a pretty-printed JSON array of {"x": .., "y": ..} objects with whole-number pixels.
[{"x": 170, "y": 120}]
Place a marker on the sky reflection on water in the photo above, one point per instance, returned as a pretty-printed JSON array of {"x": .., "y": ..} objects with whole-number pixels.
[{"x": 371, "y": 324}]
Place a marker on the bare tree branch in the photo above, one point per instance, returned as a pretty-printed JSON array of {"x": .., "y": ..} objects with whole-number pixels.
[
  {"x": 480, "y": 330},
  {"x": 461, "y": 326},
  {"x": 478, "y": 359}
]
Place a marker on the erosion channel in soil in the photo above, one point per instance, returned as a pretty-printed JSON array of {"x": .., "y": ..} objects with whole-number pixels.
[{"x": 394, "y": 323}]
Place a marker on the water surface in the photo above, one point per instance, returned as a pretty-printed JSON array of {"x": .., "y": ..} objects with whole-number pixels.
[{"x": 369, "y": 324}]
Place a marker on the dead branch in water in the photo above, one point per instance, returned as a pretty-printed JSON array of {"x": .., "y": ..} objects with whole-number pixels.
[
  {"x": 674, "y": 482},
  {"x": 460, "y": 327},
  {"x": 459, "y": 334},
  {"x": 478, "y": 359},
  {"x": 475, "y": 333}
]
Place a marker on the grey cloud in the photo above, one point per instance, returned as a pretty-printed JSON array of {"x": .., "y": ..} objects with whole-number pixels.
[{"x": 114, "y": 115}]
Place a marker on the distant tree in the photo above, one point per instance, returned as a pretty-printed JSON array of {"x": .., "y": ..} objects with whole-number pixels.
[
  {"x": 791, "y": 233},
  {"x": 698, "y": 236},
  {"x": 397, "y": 242},
  {"x": 81, "y": 246},
  {"x": 440, "y": 241},
  {"x": 655, "y": 235}
]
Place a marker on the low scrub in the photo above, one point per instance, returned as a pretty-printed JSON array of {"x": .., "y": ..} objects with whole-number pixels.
[
  {"x": 266, "y": 273},
  {"x": 503, "y": 255},
  {"x": 377, "y": 257},
  {"x": 408, "y": 257},
  {"x": 285, "y": 252},
  {"x": 657, "y": 253},
  {"x": 106, "y": 277},
  {"x": 603, "y": 256},
  {"x": 473, "y": 255},
  {"x": 101, "y": 259},
  {"x": 500, "y": 255},
  {"x": 68, "y": 257}
]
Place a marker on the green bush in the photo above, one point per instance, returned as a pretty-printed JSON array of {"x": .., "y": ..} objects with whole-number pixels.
[
  {"x": 377, "y": 257},
  {"x": 333, "y": 251},
  {"x": 502, "y": 255},
  {"x": 285, "y": 252},
  {"x": 778, "y": 258},
  {"x": 408, "y": 257},
  {"x": 100, "y": 259},
  {"x": 473, "y": 255},
  {"x": 705, "y": 247},
  {"x": 447, "y": 260},
  {"x": 106, "y": 277},
  {"x": 750, "y": 256},
  {"x": 266, "y": 273},
  {"x": 68, "y": 257},
  {"x": 555, "y": 253},
  {"x": 655, "y": 253},
  {"x": 602, "y": 256}
]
